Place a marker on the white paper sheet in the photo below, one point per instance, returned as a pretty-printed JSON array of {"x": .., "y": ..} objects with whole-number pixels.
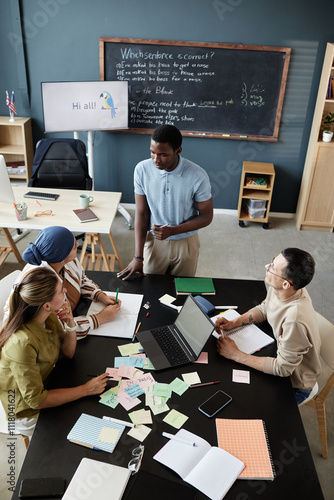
[{"x": 124, "y": 324}]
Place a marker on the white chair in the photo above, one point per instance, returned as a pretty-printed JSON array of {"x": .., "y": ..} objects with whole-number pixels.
[
  {"x": 6, "y": 286},
  {"x": 317, "y": 399}
]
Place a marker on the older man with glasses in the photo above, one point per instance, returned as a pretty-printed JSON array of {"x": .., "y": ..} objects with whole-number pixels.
[{"x": 289, "y": 311}]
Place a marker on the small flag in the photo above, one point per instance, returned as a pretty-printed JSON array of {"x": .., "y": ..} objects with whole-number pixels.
[
  {"x": 11, "y": 105},
  {"x": 7, "y": 98}
]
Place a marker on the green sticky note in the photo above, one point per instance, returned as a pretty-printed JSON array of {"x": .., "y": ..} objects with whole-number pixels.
[
  {"x": 162, "y": 390},
  {"x": 179, "y": 386},
  {"x": 148, "y": 365},
  {"x": 175, "y": 419},
  {"x": 109, "y": 398},
  {"x": 157, "y": 409}
]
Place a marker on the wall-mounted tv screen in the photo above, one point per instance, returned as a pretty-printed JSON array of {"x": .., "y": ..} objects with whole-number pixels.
[{"x": 75, "y": 106}]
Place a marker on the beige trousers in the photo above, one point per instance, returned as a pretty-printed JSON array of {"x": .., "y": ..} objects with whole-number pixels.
[{"x": 176, "y": 257}]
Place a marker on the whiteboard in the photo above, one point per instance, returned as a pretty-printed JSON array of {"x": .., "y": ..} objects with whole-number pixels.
[{"x": 75, "y": 106}]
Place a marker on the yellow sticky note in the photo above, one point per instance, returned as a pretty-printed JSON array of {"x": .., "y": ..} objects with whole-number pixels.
[
  {"x": 108, "y": 435},
  {"x": 139, "y": 432},
  {"x": 191, "y": 378},
  {"x": 175, "y": 419}
]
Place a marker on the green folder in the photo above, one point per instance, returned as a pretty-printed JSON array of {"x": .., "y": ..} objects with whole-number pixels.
[{"x": 196, "y": 286}]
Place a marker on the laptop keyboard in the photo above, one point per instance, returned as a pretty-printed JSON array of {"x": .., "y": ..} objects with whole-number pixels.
[{"x": 169, "y": 346}]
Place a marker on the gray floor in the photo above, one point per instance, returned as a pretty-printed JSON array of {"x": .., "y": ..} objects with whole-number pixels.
[{"x": 228, "y": 251}]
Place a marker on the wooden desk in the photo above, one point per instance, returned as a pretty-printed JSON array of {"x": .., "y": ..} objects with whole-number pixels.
[
  {"x": 267, "y": 397},
  {"x": 104, "y": 206}
]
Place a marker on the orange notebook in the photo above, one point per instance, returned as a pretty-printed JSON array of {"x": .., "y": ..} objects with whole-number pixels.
[{"x": 247, "y": 440}]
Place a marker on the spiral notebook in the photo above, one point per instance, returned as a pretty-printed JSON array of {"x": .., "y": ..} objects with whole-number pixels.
[
  {"x": 248, "y": 338},
  {"x": 247, "y": 440}
]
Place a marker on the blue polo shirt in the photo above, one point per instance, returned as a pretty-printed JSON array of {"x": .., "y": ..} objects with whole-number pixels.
[{"x": 172, "y": 196}]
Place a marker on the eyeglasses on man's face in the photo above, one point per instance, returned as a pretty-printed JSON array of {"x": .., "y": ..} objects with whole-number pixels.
[
  {"x": 137, "y": 456},
  {"x": 268, "y": 268}
]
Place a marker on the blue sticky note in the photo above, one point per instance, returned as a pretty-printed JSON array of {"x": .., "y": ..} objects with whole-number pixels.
[
  {"x": 134, "y": 391},
  {"x": 134, "y": 361}
]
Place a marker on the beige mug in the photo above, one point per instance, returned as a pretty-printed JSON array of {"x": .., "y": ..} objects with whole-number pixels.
[{"x": 85, "y": 200}]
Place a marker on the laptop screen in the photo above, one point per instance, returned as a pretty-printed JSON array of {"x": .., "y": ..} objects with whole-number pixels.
[{"x": 194, "y": 325}]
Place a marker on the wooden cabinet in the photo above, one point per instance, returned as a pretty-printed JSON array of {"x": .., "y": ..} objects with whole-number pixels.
[
  {"x": 16, "y": 144},
  {"x": 256, "y": 192},
  {"x": 315, "y": 209}
]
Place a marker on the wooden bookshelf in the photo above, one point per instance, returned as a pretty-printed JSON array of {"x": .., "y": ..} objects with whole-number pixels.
[
  {"x": 16, "y": 144},
  {"x": 315, "y": 209}
]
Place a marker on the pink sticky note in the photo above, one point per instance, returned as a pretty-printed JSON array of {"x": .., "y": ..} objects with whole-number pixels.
[
  {"x": 113, "y": 372},
  {"x": 203, "y": 358},
  {"x": 126, "y": 371},
  {"x": 127, "y": 402},
  {"x": 145, "y": 380}
]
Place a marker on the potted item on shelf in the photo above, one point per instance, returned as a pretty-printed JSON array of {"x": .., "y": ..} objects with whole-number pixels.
[{"x": 327, "y": 133}]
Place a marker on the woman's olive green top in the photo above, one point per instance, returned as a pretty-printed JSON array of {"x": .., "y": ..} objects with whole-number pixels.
[{"x": 27, "y": 358}]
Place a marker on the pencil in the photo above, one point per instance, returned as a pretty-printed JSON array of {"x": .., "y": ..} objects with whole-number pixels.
[
  {"x": 116, "y": 295},
  {"x": 205, "y": 383},
  {"x": 133, "y": 336}
]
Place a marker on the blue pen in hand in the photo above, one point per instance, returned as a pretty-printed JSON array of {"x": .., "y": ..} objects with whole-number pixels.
[{"x": 116, "y": 295}]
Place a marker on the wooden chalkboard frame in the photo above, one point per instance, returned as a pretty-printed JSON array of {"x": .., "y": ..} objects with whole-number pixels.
[{"x": 103, "y": 45}]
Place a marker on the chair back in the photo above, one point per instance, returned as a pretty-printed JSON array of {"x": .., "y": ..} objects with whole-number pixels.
[
  {"x": 60, "y": 163},
  {"x": 326, "y": 331},
  {"x": 6, "y": 285}
]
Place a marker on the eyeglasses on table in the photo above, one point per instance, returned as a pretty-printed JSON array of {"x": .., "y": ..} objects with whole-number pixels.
[{"x": 137, "y": 456}]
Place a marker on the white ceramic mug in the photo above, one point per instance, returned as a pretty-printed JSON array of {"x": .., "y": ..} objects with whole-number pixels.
[{"x": 85, "y": 200}]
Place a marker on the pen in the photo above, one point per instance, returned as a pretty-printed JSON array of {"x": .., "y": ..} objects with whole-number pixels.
[
  {"x": 134, "y": 335},
  {"x": 226, "y": 307},
  {"x": 38, "y": 203},
  {"x": 172, "y": 437},
  {"x": 117, "y": 421},
  {"x": 177, "y": 308},
  {"x": 116, "y": 295},
  {"x": 205, "y": 383},
  {"x": 89, "y": 375}
]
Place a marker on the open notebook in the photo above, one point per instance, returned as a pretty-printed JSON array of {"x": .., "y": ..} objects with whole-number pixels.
[
  {"x": 210, "y": 469},
  {"x": 248, "y": 338}
]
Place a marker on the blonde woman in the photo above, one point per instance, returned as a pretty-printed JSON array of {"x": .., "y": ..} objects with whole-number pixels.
[{"x": 30, "y": 342}]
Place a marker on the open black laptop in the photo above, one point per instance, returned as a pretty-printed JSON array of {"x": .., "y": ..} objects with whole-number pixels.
[{"x": 181, "y": 342}]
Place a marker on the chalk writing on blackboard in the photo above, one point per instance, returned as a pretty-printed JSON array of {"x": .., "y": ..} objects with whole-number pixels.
[{"x": 203, "y": 89}]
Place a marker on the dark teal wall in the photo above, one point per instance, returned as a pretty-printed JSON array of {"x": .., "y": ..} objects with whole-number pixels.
[{"x": 61, "y": 43}]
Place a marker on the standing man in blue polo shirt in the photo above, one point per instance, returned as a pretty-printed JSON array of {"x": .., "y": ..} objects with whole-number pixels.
[{"x": 173, "y": 201}]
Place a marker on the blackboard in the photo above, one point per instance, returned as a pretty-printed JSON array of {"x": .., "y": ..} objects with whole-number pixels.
[{"x": 205, "y": 89}]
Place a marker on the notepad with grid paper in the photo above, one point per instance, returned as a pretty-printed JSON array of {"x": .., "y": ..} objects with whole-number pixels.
[{"x": 247, "y": 440}]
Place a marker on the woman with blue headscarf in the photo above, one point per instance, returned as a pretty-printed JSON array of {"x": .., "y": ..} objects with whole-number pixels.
[{"x": 56, "y": 248}]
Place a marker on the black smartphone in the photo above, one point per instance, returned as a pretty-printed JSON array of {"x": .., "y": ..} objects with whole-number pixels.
[
  {"x": 45, "y": 487},
  {"x": 215, "y": 403}
]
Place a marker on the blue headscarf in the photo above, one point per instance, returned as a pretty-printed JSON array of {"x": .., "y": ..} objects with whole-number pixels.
[{"x": 53, "y": 244}]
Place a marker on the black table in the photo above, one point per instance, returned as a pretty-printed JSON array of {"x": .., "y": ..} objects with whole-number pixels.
[{"x": 267, "y": 397}]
